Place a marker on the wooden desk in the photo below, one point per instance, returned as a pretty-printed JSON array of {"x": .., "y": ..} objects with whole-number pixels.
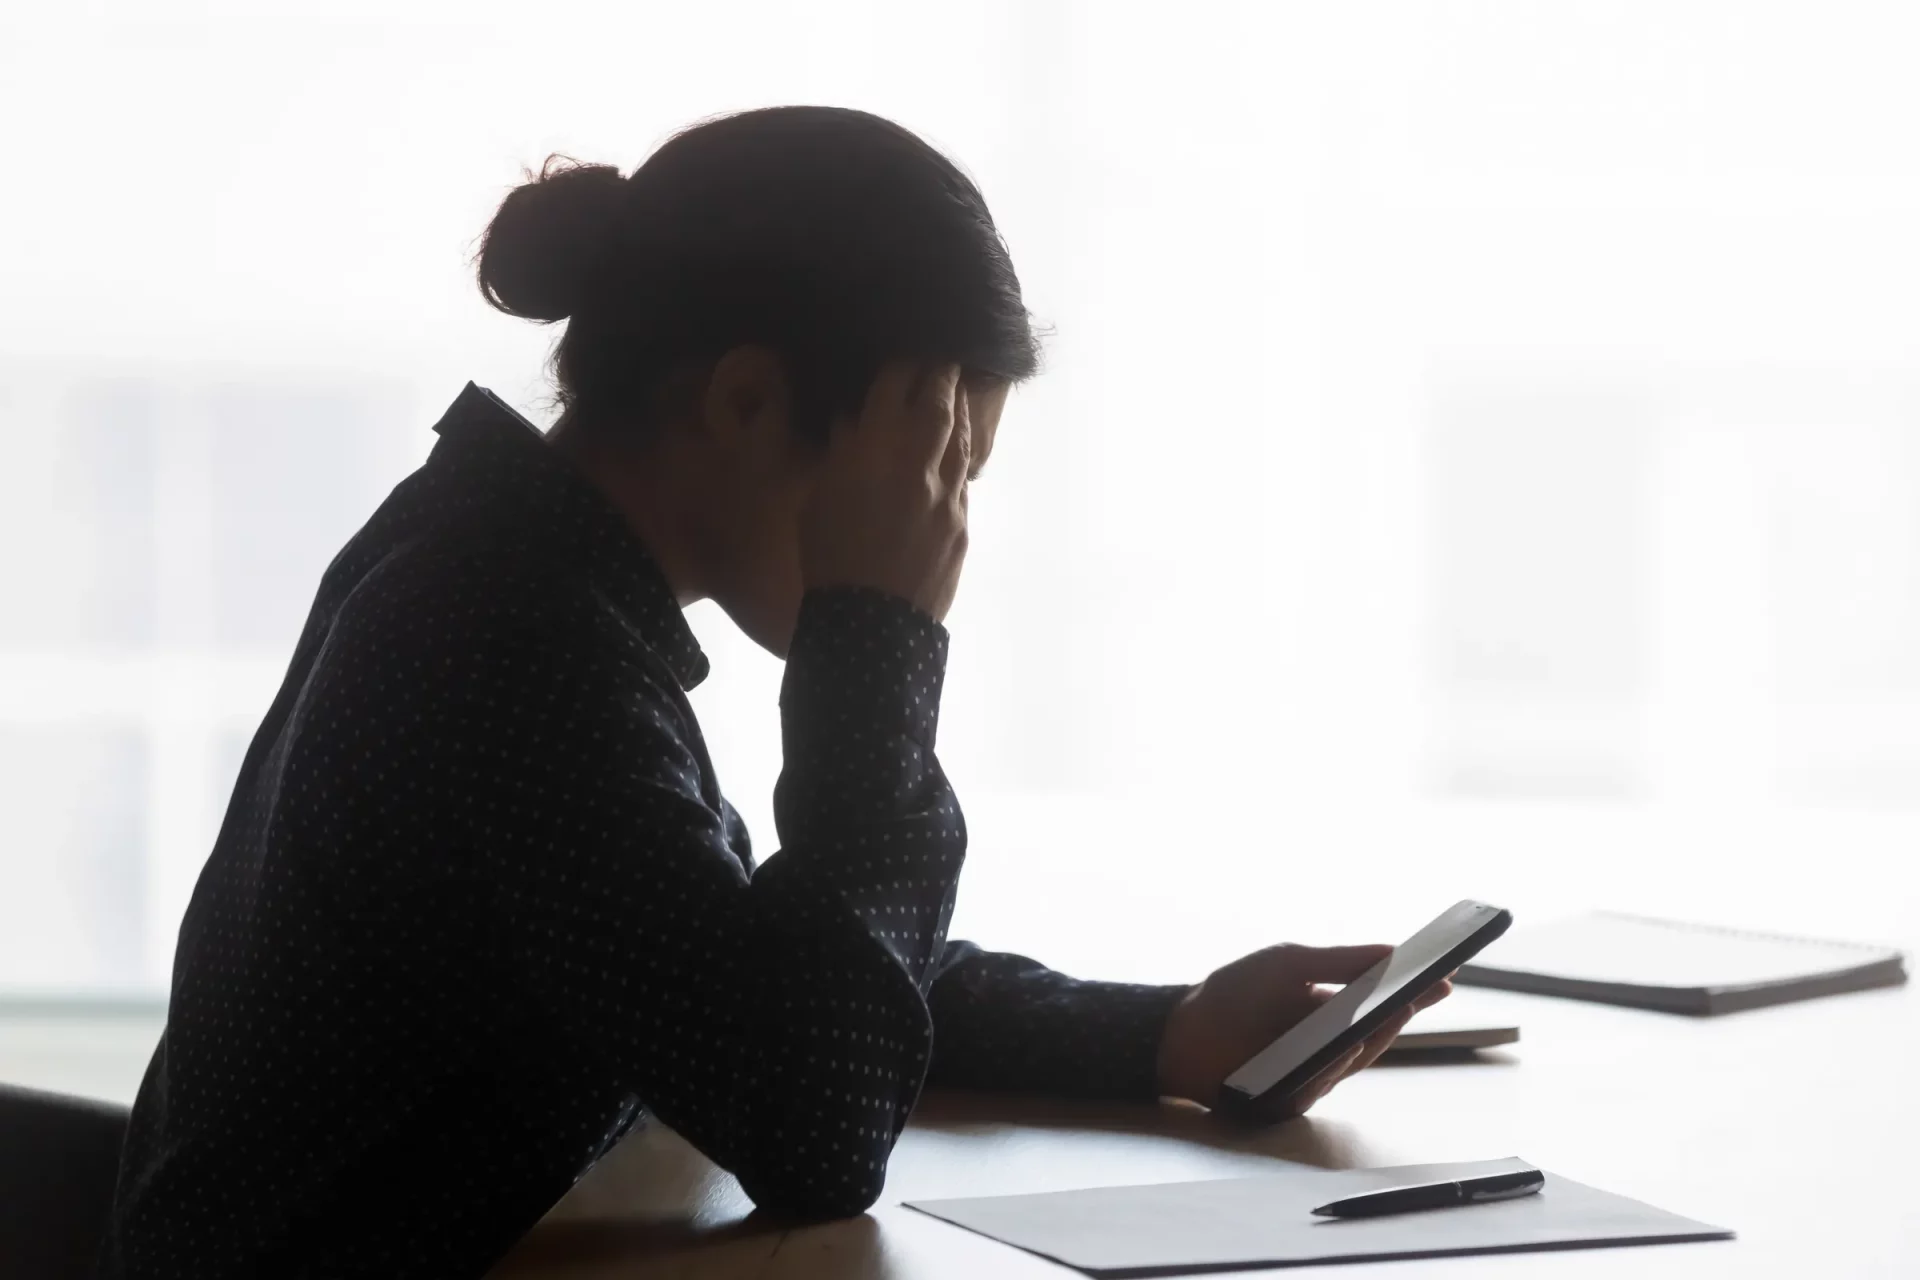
[{"x": 1799, "y": 1127}]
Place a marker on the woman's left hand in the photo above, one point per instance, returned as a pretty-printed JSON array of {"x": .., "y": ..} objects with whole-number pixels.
[{"x": 1244, "y": 1007}]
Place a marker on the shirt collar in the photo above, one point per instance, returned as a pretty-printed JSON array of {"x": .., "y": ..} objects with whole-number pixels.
[{"x": 504, "y": 462}]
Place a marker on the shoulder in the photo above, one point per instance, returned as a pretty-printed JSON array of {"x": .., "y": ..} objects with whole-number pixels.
[
  {"x": 449, "y": 590},
  {"x": 483, "y": 631},
  {"x": 465, "y": 598},
  {"x": 463, "y": 682}
]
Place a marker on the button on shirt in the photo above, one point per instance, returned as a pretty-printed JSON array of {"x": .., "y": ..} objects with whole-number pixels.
[{"x": 478, "y": 906}]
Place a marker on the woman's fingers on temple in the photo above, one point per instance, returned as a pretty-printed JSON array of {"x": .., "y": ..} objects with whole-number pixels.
[
  {"x": 929, "y": 414},
  {"x": 959, "y": 456},
  {"x": 939, "y": 386}
]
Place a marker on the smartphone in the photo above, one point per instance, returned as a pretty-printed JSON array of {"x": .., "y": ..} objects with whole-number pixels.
[{"x": 1257, "y": 1093}]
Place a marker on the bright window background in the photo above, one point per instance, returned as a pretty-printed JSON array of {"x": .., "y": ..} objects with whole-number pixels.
[{"x": 1480, "y": 453}]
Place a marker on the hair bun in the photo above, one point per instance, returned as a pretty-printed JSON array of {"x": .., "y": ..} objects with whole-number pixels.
[{"x": 539, "y": 252}]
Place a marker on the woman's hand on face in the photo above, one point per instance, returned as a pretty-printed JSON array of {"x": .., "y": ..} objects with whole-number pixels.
[
  {"x": 889, "y": 506},
  {"x": 1241, "y": 1009}
]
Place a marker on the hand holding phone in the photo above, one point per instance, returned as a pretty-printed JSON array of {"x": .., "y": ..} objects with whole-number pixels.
[
  {"x": 1267, "y": 1086},
  {"x": 1244, "y": 1005}
]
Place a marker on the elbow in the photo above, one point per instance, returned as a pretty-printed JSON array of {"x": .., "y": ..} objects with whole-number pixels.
[
  {"x": 818, "y": 1147},
  {"x": 819, "y": 1191}
]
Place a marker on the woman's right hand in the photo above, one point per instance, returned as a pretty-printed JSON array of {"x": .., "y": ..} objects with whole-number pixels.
[{"x": 889, "y": 505}]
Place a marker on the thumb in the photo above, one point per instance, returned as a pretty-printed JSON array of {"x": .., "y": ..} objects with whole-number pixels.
[{"x": 1332, "y": 964}]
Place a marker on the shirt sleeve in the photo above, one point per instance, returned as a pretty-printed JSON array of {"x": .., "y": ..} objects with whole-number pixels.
[
  {"x": 777, "y": 1018},
  {"x": 1006, "y": 1023}
]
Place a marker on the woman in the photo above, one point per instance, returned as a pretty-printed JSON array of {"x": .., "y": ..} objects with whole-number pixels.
[{"x": 478, "y": 901}]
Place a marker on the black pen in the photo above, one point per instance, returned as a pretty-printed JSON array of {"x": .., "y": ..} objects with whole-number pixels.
[{"x": 1510, "y": 1185}]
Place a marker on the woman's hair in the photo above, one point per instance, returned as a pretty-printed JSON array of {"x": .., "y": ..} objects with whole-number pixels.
[{"x": 834, "y": 237}]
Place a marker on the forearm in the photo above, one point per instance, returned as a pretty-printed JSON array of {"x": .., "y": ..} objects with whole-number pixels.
[
  {"x": 846, "y": 924},
  {"x": 863, "y": 809},
  {"x": 1007, "y": 1023}
]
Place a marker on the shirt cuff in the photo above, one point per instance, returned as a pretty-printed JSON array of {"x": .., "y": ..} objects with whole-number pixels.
[
  {"x": 868, "y": 657},
  {"x": 1004, "y": 1022},
  {"x": 1124, "y": 1026}
]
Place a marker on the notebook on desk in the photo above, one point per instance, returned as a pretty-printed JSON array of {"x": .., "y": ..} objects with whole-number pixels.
[{"x": 1677, "y": 968}]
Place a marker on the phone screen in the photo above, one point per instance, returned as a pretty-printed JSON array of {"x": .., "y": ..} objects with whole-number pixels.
[{"x": 1357, "y": 1008}]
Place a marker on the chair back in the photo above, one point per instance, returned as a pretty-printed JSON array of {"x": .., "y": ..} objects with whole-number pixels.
[{"x": 59, "y": 1157}]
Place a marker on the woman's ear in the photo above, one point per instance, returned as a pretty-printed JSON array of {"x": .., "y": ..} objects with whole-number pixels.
[{"x": 747, "y": 402}]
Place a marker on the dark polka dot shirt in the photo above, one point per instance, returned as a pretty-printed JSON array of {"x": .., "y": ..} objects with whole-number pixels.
[{"x": 478, "y": 908}]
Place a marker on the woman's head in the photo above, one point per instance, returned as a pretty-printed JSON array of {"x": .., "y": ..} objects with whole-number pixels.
[{"x": 734, "y": 297}]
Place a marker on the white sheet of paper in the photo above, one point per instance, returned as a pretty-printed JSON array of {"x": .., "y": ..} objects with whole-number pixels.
[{"x": 1268, "y": 1221}]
